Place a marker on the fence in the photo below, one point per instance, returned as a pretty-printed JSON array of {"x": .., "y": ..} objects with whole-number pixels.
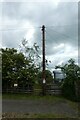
[
  {"x": 53, "y": 89},
  {"x": 50, "y": 89}
]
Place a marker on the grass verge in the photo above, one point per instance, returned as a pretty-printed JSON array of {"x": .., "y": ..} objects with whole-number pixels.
[
  {"x": 32, "y": 97},
  {"x": 30, "y": 115}
]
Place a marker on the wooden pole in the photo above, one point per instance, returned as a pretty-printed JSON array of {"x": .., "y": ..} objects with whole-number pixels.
[{"x": 43, "y": 58}]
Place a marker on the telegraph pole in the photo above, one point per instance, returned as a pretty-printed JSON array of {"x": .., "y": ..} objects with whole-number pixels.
[{"x": 43, "y": 58}]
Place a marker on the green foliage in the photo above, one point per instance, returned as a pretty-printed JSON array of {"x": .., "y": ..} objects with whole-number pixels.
[
  {"x": 17, "y": 68},
  {"x": 32, "y": 53},
  {"x": 0, "y": 62},
  {"x": 72, "y": 72},
  {"x": 68, "y": 90},
  {"x": 48, "y": 77}
]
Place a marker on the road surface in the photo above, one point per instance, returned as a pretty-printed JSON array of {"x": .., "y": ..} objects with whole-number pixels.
[{"x": 39, "y": 106}]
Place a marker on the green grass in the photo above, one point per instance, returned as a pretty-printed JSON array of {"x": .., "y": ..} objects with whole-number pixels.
[
  {"x": 0, "y": 95},
  {"x": 30, "y": 115},
  {"x": 36, "y": 97},
  {"x": 50, "y": 98},
  {"x": 32, "y": 97}
]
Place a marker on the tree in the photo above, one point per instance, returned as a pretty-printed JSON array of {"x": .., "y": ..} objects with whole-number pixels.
[
  {"x": 31, "y": 53},
  {"x": 72, "y": 72},
  {"x": 12, "y": 62},
  {"x": 48, "y": 77},
  {"x": 16, "y": 68}
]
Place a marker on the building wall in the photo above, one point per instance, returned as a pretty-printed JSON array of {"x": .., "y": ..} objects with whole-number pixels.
[{"x": 58, "y": 75}]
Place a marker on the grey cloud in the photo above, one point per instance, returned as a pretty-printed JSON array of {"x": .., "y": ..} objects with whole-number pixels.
[
  {"x": 10, "y": 9},
  {"x": 60, "y": 22},
  {"x": 41, "y": 13},
  {"x": 11, "y": 39}
]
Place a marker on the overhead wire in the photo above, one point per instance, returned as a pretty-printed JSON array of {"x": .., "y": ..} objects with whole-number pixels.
[
  {"x": 48, "y": 32},
  {"x": 19, "y": 29},
  {"x": 48, "y": 29},
  {"x": 60, "y": 33},
  {"x": 51, "y": 27},
  {"x": 66, "y": 25},
  {"x": 50, "y": 37}
]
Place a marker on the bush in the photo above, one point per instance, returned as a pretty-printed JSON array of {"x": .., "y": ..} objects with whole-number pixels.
[{"x": 68, "y": 90}]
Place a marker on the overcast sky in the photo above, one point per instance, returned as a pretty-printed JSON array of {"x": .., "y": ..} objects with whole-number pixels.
[{"x": 20, "y": 20}]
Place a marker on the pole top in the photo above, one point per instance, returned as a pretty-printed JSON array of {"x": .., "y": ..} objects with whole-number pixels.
[{"x": 43, "y": 27}]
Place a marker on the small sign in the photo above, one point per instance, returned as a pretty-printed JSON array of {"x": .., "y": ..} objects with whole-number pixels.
[
  {"x": 44, "y": 81},
  {"x": 15, "y": 85}
]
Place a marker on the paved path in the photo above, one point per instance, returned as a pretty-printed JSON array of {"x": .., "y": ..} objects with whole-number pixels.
[{"x": 38, "y": 106}]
